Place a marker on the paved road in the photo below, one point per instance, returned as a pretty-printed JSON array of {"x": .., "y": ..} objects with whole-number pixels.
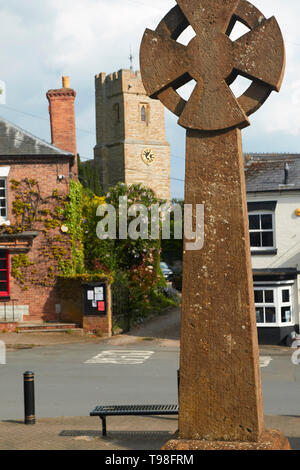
[
  {"x": 66, "y": 385},
  {"x": 72, "y": 379},
  {"x": 281, "y": 386}
]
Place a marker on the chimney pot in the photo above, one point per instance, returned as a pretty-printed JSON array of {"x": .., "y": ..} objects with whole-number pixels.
[{"x": 66, "y": 82}]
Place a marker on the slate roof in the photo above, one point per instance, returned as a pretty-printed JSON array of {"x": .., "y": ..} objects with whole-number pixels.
[
  {"x": 16, "y": 141},
  {"x": 265, "y": 172}
]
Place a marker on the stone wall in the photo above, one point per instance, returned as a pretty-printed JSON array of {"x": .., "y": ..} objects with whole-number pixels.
[{"x": 122, "y": 134}]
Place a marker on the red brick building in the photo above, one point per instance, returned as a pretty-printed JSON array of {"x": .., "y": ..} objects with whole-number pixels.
[{"x": 34, "y": 183}]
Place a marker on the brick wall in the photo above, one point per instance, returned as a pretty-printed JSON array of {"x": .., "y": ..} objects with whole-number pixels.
[
  {"x": 62, "y": 118},
  {"x": 8, "y": 327},
  {"x": 41, "y": 301},
  {"x": 71, "y": 295}
]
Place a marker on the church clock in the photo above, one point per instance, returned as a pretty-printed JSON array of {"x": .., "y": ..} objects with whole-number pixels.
[{"x": 148, "y": 156}]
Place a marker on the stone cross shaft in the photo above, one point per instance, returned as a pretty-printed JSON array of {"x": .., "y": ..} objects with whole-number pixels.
[{"x": 220, "y": 387}]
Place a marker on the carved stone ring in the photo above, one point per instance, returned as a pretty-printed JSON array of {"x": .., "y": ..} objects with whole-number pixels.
[{"x": 258, "y": 55}]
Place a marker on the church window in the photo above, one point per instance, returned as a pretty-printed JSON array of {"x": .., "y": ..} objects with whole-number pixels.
[
  {"x": 143, "y": 114},
  {"x": 117, "y": 112}
]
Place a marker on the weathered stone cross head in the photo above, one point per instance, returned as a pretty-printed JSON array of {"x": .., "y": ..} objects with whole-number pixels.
[
  {"x": 220, "y": 387},
  {"x": 214, "y": 61}
]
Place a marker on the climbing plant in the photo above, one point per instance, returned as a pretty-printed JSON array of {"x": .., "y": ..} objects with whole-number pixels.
[
  {"x": 33, "y": 211},
  {"x": 68, "y": 245},
  {"x": 73, "y": 220},
  {"x": 135, "y": 263}
]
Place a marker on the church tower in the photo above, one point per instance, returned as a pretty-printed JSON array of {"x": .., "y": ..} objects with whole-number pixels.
[{"x": 130, "y": 131}]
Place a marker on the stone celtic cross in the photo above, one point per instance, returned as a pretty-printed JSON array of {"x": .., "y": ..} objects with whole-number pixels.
[{"x": 220, "y": 387}]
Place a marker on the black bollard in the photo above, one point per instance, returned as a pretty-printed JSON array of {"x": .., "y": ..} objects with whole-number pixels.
[{"x": 29, "y": 406}]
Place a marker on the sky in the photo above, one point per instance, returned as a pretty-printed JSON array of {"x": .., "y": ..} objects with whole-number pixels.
[{"x": 43, "y": 40}]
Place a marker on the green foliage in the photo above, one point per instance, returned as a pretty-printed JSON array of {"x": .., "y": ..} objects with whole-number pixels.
[
  {"x": 89, "y": 177},
  {"x": 99, "y": 254},
  {"x": 77, "y": 253},
  {"x": 19, "y": 262},
  {"x": 88, "y": 277},
  {"x": 112, "y": 255},
  {"x": 172, "y": 250},
  {"x": 46, "y": 215},
  {"x": 26, "y": 204},
  {"x": 132, "y": 263},
  {"x": 73, "y": 220}
]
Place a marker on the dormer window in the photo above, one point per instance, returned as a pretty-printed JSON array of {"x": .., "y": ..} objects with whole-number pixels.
[{"x": 262, "y": 227}]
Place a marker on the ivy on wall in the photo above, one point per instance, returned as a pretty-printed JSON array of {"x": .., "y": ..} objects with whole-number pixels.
[
  {"x": 58, "y": 253},
  {"x": 73, "y": 220},
  {"x": 68, "y": 246}
]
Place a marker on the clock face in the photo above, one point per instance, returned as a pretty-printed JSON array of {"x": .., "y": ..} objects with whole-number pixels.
[{"x": 148, "y": 156}]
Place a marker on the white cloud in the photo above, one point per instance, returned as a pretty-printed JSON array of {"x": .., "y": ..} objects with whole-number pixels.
[{"x": 41, "y": 41}]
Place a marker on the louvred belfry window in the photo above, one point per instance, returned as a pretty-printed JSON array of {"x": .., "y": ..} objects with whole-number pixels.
[{"x": 4, "y": 273}]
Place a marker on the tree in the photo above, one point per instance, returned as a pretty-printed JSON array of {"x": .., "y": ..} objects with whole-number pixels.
[
  {"x": 172, "y": 249},
  {"x": 89, "y": 177}
]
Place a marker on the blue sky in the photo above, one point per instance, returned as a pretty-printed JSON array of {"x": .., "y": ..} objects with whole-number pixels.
[{"x": 41, "y": 41}]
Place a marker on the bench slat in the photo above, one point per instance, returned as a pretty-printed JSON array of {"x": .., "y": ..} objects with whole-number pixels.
[{"x": 133, "y": 409}]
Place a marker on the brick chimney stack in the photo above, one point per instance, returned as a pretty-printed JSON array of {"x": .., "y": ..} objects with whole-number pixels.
[{"x": 62, "y": 119}]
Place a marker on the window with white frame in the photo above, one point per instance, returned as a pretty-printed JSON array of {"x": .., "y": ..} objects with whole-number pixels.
[
  {"x": 262, "y": 230},
  {"x": 3, "y": 199},
  {"x": 273, "y": 305}
]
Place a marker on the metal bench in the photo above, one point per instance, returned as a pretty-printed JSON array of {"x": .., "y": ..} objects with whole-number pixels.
[{"x": 133, "y": 410}]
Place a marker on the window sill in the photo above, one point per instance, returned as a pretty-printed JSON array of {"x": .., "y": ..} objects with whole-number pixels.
[
  {"x": 264, "y": 252},
  {"x": 4, "y": 222},
  {"x": 274, "y": 325}
]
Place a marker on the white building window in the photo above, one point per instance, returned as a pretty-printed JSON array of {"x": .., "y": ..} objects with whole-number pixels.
[
  {"x": 262, "y": 233},
  {"x": 273, "y": 306},
  {"x": 4, "y": 172},
  {"x": 3, "y": 199}
]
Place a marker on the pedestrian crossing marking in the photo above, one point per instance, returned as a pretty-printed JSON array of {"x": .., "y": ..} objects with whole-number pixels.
[
  {"x": 265, "y": 361},
  {"x": 123, "y": 357}
]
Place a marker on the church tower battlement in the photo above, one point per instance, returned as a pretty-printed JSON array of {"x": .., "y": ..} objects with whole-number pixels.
[{"x": 130, "y": 128}]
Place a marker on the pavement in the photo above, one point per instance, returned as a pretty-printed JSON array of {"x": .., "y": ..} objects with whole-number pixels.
[
  {"x": 16, "y": 341},
  {"x": 164, "y": 328},
  {"x": 124, "y": 433}
]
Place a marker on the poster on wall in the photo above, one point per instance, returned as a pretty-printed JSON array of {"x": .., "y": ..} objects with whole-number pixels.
[
  {"x": 94, "y": 299},
  {"x": 90, "y": 295}
]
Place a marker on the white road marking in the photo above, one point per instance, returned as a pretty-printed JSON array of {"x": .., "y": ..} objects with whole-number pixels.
[
  {"x": 265, "y": 361},
  {"x": 121, "y": 357}
]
